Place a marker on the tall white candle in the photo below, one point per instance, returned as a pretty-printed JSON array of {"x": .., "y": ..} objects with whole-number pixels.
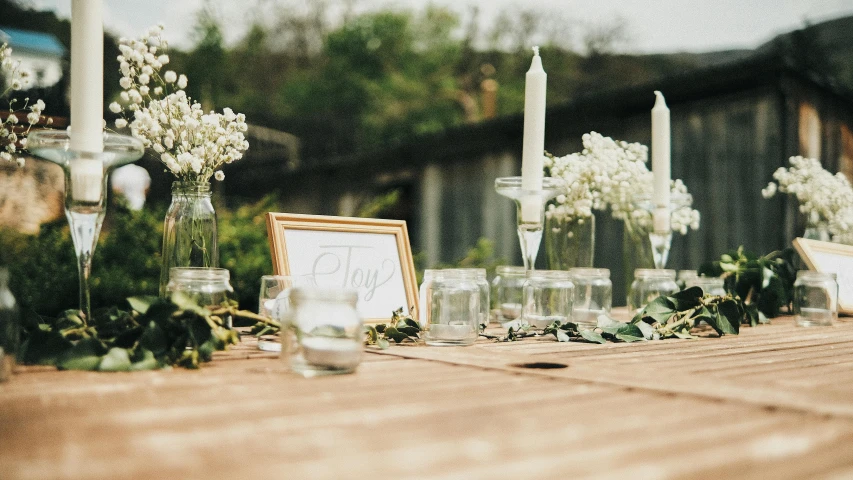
[
  {"x": 661, "y": 163},
  {"x": 87, "y": 76},
  {"x": 534, "y": 137},
  {"x": 87, "y": 98}
]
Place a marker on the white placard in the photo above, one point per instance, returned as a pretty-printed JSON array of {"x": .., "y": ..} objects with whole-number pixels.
[
  {"x": 370, "y": 256},
  {"x": 834, "y": 258}
]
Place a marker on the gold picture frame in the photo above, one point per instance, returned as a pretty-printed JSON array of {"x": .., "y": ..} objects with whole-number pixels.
[
  {"x": 828, "y": 257},
  {"x": 299, "y": 240}
]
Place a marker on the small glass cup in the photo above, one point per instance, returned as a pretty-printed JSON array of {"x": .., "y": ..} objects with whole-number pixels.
[
  {"x": 274, "y": 302},
  {"x": 684, "y": 276},
  {"x": 709, "y": 285},
  {"x": 322, "y": 333},
  {"x": 454, "y": 309},
  {"x": 548, "y": 297},
  {"x": 650, "y": 283},
  {"x": 479, "y": 275},
  {"x": 508, "y": 293},
  {"x": 815, "y": 298},
  {"x": 209, "y": 287},
  {"x": 593, "y": 295}
]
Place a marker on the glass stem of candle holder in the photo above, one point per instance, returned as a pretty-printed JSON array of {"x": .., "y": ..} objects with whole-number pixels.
[
  {"x": 661, "y": 243},
  {"x": 529, "y": 232},
  {"x": 85, "y": 228}
]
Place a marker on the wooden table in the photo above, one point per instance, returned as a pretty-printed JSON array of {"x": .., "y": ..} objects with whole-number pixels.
[{"x": 774, "y": 402}]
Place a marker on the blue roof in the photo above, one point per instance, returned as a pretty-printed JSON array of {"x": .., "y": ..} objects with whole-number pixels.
[{"x": 32, "y": 41}]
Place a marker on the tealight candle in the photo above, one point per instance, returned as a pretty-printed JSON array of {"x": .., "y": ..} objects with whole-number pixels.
[
  {"x": 331, "y": 352},
  {"x": 510, "y": 311},
  {"x": 443, "y": 331}
]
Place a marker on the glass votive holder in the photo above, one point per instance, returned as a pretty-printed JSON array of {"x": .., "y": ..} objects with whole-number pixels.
[
  {"x": 709, "y": 285},
  {"x": 9, "y": 327},
  {"x": 548, "y": 297},
  {"x": 425, "y": 297},
  {"x": 648, "y": 284},
  {"x": 274, "y": 297},
  {"x": 815, "y": 298},
  {"x": 454, "y": 309},
  {"x": 593, "y": 295},
  {"x": 322, "y": 332},
  {"x": 508, "y": 293},
  {"x": 208, "y": 287},
  {"x": 685, "y": 276},
  {"x": 479, "y": 275}
]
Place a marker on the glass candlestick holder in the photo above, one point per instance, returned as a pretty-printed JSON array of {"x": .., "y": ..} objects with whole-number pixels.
[
  {"x": 530, "y": 206},
  {"x": 86, "y": 179}
]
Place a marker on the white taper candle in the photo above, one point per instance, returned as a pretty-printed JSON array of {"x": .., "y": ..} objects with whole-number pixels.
[
  {"x": 533, "y": 150},
  {"x": 661, "y": 167}
]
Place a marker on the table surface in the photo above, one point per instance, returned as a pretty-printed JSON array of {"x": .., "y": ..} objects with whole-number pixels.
[{"x": 773, "y": 402}]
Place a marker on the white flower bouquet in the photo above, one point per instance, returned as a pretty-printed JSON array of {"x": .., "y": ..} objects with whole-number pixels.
[
  {"x": 612, "y": 174},
  {"x": 192, "y": 144},
  {"x": 13, "y": 134},
  {"x": 826, "y": 199}
]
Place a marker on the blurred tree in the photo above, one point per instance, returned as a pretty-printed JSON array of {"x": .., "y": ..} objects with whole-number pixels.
[{"x": 205, "y": 64}]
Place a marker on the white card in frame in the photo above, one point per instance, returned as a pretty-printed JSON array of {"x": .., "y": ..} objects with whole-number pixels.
[{"x": 372, "y": 256}]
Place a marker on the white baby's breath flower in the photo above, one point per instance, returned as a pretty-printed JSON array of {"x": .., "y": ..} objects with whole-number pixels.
[
  {"x": 182, "y": 81},
  {"x": 219, "y": 175},
  {"x": 115, "y": 107},
  {"x": 33, "y": 118},
  {"x": 170, "y": 77},
  {"x": 121, "y": 123},
  {"x": 125, "y": 82}
]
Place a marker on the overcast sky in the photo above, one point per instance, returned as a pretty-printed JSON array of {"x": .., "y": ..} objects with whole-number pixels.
[{"x": 653, "y": 25}]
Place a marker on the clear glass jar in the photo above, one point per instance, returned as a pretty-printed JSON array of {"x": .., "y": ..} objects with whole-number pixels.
[
  {"x": 9, "y": 327},
  {"x": 508, "y": 293},
  {"x": 709, "y": 285},
  {"x": 548, "y": 297},
  {"x": 424, "y": 297},
  {"x": 479, "y": 275},
  {"x": 189, "y": 230},
  {"x": 593, "y": 295},
  {"x": 454, "y": 309},
  {"x": 815, "y": 298},
  {"x": 322, "y": 333},
  {"x": 684, "y": 276},
  {"x": 569, "y": 241},
  {"x": 650, "y": 283},
  {"x": 208, "y": 287}
]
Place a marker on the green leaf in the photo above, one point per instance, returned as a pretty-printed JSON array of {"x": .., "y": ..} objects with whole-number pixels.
[
  {"x": 413, "y": 324},
  {"x": 116, "y": 360},
  {"x": 687, "y": 299},
  {"x": 43, "y": 347},
  {"x": 561, "y": 336},
  {"x": 647, "y": 330},
  {"x": 683, "y": 335},
  {"x": 629, "y": 338},
  {"x": 592, "y": 336},
  {"x": 728, "y": 319},
  {"x": 86, "y": 355},
  {"x": 383, "y": 344},
  {"x": 141, "y": 304},
  {"x": 144, "y": 360}
]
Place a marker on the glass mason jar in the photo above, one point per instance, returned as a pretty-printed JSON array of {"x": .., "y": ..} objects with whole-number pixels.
[
  {"x": 548, "y": 297},
  {"x": 9, "y": 327},
  {"x": 685, "y": 276},
  {"x": 636, "y": 245},
  {"x": 454, "y": 309},
  {"x": 569, "y": 241},
  {"x": 650, "y": 283},
  {"x": 815, "y": 298},
  {"x": 424, "y": 296},
  {"x": 593, "y": 295},
  {"x": 479, "y": 275},
  {"x": 322, "y": 333},
  {"x": 817, "y": 228},
  {"x": 508, "y": 293},
  {"x": 208, "y": 287},
  {"x": 189, "y": 231},
  {"x": 709, "y": 285}
]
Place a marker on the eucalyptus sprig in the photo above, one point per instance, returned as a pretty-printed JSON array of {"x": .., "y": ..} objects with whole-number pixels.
[
  {"x": 764, "y": 283},
  {"x": 156, "y": 333},
  {"x": 401, "y": 328},
  {"x": 515, "y": 331}
]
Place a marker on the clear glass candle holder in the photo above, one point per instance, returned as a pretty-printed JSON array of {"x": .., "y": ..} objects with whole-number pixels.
[
  {"x": 709, "y": 285},
  {"x": 508, "y": 293},
  {"x": 684, "y": 276},
  {"x": 209, "y": 287},
  {"x": 322, "y": 333},
  {"x": 593, "y": 295},
  {"x": 548, "y": 297},
  {"x": 479, "y": 275},
  {"x": 425, "y": 297},
  {"x": 454, "y": 309},
  {"x": 815, "y": 298},
  {"x": 648, "y": 284}
]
